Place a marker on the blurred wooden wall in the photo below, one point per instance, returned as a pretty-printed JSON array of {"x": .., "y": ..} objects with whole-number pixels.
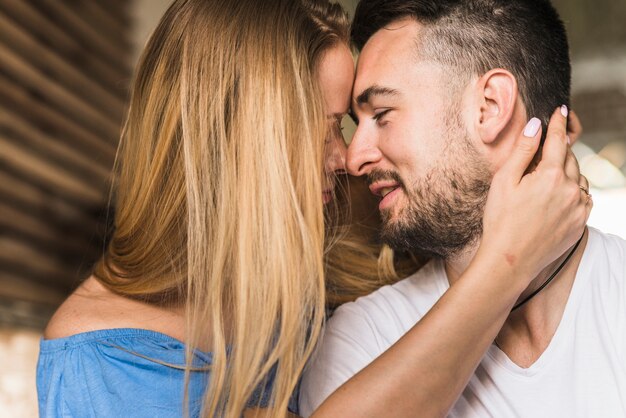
[{"x": 65, "y": 66}]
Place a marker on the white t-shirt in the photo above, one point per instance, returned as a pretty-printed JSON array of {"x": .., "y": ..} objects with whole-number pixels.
[{"x": 582, "y": 373}]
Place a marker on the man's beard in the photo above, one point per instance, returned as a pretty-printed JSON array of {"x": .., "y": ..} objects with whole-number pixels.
[{"x": 444, "y": 211}]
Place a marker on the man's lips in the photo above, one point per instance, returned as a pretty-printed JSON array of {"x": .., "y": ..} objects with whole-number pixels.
[
  {"x": 388, "y": 191},
  {"x": 383, "y": 188}
]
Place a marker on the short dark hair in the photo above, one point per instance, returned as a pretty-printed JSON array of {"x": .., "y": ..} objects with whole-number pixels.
[{"x": 525, "y": 37}]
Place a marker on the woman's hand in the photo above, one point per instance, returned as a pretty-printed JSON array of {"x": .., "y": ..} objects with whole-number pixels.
[
  {"x": 574, "y": 127},
  {"x": 532, "y": 219}
]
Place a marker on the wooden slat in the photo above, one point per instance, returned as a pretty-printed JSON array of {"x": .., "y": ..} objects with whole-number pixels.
[
  {"x": 118, "y": 10},
  {"x": 53, "y": 64},
  {"x": 16, "y": 127},
  {"x": 44, "y": 234},
  {"x": 38, "y": 169},
  {"x": 80, "y": 111},
  {"x": 39, "y": 202},
  {"x": 42, "y": 27},
  {"x": 15, "y": 287},
  {"x": 107, "y": 26},
  {"x": 13, "y": 97},
  {"x": 78, "y": 28},
  {"x": 38, "y": 266}
]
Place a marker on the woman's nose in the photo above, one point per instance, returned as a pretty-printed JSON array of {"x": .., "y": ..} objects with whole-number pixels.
[{"x": 336, "y": 155}]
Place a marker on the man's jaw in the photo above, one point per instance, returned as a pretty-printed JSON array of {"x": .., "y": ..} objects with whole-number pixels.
[
  {"x": 419, "y": 224},
  {"x": 458, "y": 262}
]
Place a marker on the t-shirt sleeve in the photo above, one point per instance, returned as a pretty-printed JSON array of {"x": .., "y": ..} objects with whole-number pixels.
[{"x": 348, "y": 344}]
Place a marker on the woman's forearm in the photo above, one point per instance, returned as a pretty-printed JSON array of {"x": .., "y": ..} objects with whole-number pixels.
[{"x": 424, "y": 373}]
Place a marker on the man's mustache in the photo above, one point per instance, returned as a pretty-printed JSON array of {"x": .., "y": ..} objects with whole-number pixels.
[{"x": 384, "y": 175}]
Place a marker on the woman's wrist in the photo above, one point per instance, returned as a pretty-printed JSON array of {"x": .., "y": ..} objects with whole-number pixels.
[{"x": 501, "y": 271}]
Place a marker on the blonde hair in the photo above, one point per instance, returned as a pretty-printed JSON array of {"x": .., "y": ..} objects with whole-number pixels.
[
  {"x": 218, "y": 188},
  {"x": 356, "y": 263}
]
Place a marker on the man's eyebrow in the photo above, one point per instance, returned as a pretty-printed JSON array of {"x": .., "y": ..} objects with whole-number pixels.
[{"x": 375, "y": 90}]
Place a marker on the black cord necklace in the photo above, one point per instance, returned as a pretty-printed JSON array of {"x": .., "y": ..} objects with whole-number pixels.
[
  {"x": 556, "y": 272},
  {"x": 547, "y": 282}
]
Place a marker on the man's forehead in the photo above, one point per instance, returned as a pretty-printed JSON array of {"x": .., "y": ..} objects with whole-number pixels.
[
  {"x": 389, "y": 50},
  {"x": 398, "y": 37}
]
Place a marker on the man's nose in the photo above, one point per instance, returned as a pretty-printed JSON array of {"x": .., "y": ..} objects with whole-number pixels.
[{"x": 363, "y": 153}]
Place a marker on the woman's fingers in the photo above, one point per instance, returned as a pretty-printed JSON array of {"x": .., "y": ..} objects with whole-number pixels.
[
  {"x": 523, "y": 153},
  {"x": 585, "y": 193},
  {"x": 589, "y": 200},
  {"x": 555, "y": 148},
  {"x": 572, "y": 169},
  {"x": 584, "y": 183},
  {"x": 574, "y": 127}
]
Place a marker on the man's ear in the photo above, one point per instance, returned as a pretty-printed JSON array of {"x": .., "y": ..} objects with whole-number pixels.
[{"x": 496, "y": 96}]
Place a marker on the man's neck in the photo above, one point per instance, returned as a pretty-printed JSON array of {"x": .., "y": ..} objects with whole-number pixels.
[{"x": 527, "y": 331}]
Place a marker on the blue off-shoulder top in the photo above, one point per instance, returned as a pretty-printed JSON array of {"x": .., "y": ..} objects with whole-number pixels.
[{"x": 120, "y": 373}]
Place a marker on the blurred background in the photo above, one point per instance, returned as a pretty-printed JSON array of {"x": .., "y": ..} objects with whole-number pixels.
[{"x": 65, "y": 67}]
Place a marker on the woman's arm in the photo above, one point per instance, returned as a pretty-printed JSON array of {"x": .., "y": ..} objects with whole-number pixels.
[{"x": 529, "y": 221}]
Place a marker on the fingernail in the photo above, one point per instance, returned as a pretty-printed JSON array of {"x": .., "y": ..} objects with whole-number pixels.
[
  {"x": 564, "y": 111},
  {"x": 532, "y": 127},
  {"x": 569, "y": 141}
]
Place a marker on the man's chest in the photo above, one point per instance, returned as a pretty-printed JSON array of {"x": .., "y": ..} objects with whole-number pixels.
[{"x": 577, "y": 379}]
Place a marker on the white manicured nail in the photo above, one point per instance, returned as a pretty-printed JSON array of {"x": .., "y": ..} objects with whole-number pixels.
[{"x": 532, "y": 127}]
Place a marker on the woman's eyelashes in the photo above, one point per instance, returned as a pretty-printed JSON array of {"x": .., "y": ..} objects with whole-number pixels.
[
  {"x": 335, "y": 129},
  {"x": 338, "y": 124}
]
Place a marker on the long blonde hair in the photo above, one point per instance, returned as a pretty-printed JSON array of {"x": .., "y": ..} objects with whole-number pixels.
[
  {"x": 356, "y": 263},
  {"x": 218, "y": 188}
]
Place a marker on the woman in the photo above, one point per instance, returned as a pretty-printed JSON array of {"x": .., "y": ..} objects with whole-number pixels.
[{"x": 210, "y": 296}]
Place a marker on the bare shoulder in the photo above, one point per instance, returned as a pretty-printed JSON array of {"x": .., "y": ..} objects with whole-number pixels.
[
  {"x": 92, "y": 307},
  {"x": 81, "y": 312}
]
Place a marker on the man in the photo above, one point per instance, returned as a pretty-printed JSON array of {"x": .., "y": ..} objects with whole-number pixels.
[{"x": 442, "y": 88}]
